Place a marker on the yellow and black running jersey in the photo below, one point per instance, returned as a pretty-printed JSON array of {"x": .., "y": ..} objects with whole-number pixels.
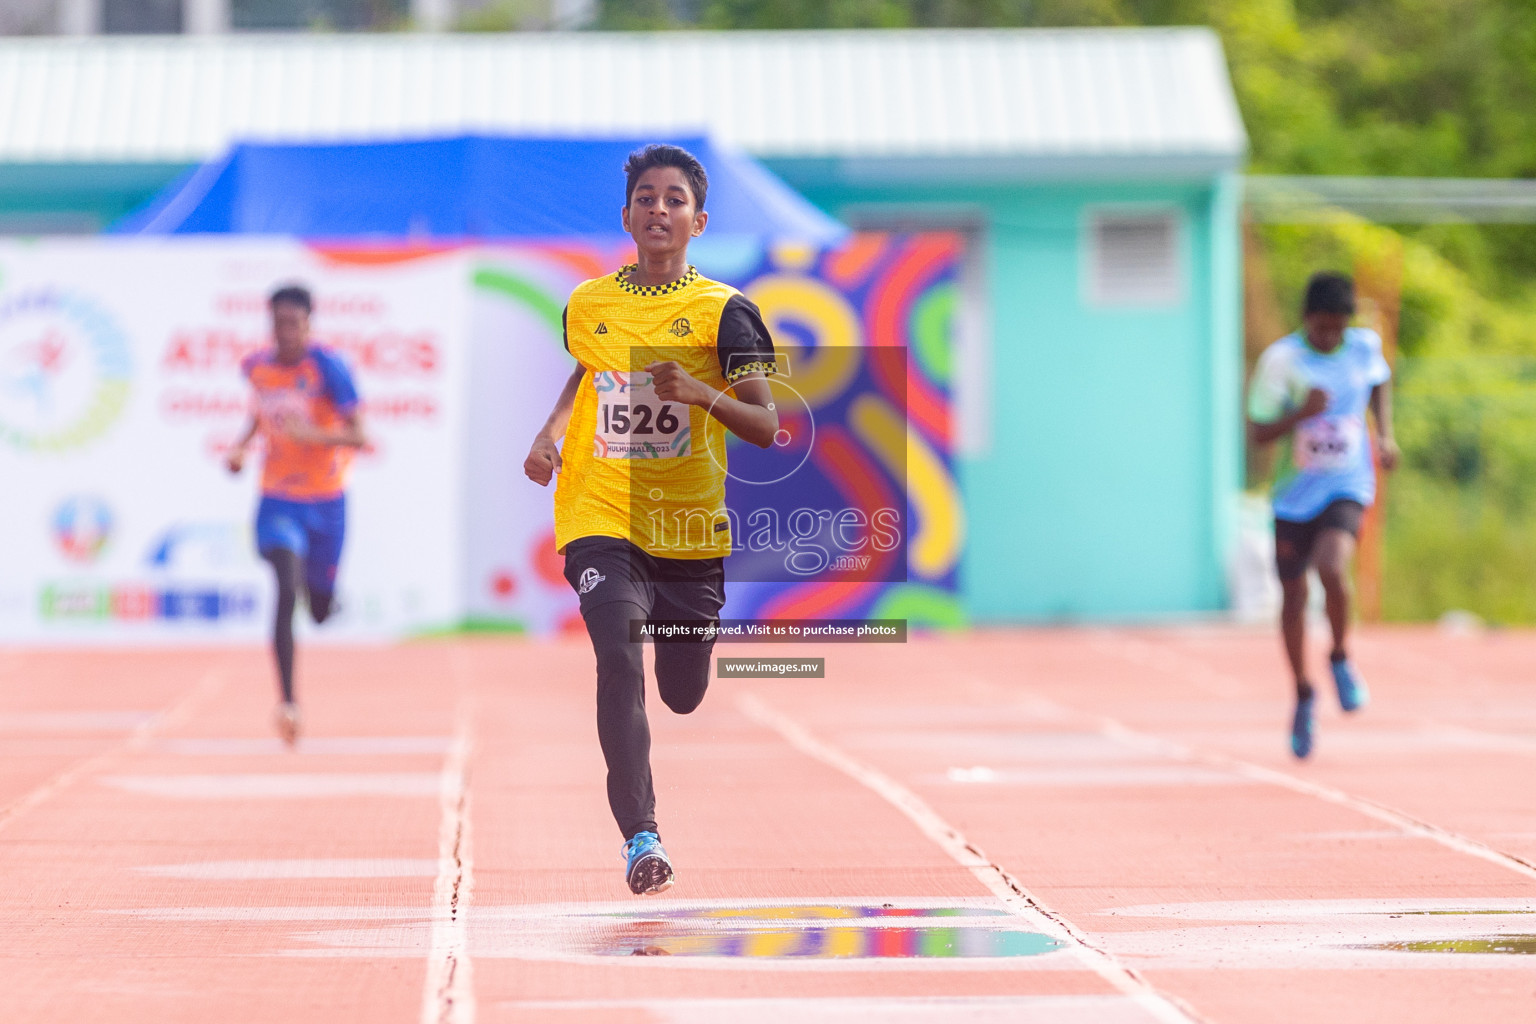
[{"x": 637, "y": 468}]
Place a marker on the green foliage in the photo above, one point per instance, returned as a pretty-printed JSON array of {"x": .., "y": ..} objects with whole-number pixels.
[
  {"x": 505, "y": 16},
  {"x": 1461, "y": 523},
  {"x": 1434, "y": 88},
  {"x": 825, "y": 14},
  {"x": 1454, "y": 547}
]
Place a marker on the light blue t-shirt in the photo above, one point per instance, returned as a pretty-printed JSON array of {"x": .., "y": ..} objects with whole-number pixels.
[{"x": 1329, "y": 457}]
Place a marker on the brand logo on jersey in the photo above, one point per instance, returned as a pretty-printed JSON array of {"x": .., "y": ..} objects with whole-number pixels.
[
  {"x": 602, "y": 328},
  {"x": 590, "y": 578},
  {"x": 681, "y": 327}
]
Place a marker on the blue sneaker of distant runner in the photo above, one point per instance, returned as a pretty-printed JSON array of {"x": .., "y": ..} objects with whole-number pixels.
[
  {"x": 646, "y": 867},
  {"x": 1301, "y": 726},
  {"x": 1352, "y": 692}
]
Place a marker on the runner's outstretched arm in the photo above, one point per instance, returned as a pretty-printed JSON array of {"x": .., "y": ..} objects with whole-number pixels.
[
  {"x": 750, "y": 415},
  {"x": 543, "y": 460},
  {"x": 1381, "y": 411},
  {"x": 236, "y": 457},
  {"x": 1264, "y": 433}
]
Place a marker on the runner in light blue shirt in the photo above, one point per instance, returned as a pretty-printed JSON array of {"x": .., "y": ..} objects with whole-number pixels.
[{"x": 1316, "y": 385}]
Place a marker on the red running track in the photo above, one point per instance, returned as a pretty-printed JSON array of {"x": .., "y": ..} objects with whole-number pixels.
[{"x": 1074, "y": 827}]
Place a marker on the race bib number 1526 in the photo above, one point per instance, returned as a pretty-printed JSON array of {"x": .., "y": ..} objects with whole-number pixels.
[{"x": 632, "y": 423}]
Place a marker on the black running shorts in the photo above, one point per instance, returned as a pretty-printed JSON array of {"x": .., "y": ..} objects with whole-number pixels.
[
  {"x": 604, "y": 569},
  {"x": 1294, "y": 541}
]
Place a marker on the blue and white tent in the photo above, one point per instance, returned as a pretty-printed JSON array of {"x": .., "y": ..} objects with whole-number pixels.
[{"x": 465, "y": 187}]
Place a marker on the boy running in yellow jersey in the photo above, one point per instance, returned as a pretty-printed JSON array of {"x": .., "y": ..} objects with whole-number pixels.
[{"x": 666, "y": 359}]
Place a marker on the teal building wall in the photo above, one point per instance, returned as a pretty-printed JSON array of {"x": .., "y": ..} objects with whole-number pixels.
[
  {"x": 77, "y": 198},
  {"x": 1107, "y": 488}
]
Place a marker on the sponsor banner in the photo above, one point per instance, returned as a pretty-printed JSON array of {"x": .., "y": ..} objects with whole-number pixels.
[{"x": 120, "y": 393}]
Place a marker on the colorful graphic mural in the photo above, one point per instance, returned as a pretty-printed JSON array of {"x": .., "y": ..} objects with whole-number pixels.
[{"x": 867, "y": 331}]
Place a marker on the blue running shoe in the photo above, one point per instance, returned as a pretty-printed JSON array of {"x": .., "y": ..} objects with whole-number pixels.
[
  {"x": 1352, "y": 692},
  {"x": 646, "y": 867},
  {"x": 1301, "y": 726}
]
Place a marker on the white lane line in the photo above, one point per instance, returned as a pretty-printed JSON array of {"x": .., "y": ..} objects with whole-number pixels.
[
  {"x": 278, "y": 785},
  {"x": 1117, "y": 777},
  {"x": 358, "y": 745},
  {"x": 998, "y": 881},
  {"x": 1435, "y": 908},
  {"x": 449, "y": 996},
  {"x": 1480, "y": 739},
  {"x": 73, "y": 722},
  {"x": 251, "y": 914},
  {"x": 1399, "y": 820},
  {"x": 251, "y": 870},
  {"x": 176, "y": 712}
]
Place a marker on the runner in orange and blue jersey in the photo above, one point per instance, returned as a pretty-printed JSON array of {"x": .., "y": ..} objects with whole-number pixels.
[{"x": 306, "y": 409}]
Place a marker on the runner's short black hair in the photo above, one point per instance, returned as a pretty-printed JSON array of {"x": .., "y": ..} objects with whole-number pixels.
[
  {"x": 659, "y": 154},
  {"x": 1329, "y": 291},
  {"x": 293, "y": 295}
]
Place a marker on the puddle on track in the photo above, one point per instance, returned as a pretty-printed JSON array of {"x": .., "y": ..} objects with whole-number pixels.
[
  {"x": 1518, "y": 945},
  {"x": 1454, "y": 913},
  {"x": 817, "y": 933}
]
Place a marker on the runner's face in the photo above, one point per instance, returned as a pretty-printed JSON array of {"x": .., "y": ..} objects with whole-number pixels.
[
  {"x": 1325, "y": 331},
  {"x": 662, "y": 215},
  {"x": 290, "y": 329}
]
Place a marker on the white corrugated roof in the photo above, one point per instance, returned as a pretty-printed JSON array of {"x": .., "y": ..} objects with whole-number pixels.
[{"x": 1029, "y": 93}]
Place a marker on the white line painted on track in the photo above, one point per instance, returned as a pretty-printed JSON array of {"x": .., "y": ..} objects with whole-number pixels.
[
  {"x": 141, "y": 734},
  {"x": 449, "y": 996},
  {"x": 1018, "y": 747},
  {"x": 1482, "y": 739},
  {"x": 1074, "y": 777},
  {"x": 360, "y": 745},
  {"x": 898, "y": 1010},
  {"x": 251, "y": 870},
  {"x": 227, "y": 913},
  {"x": 997, "y": 880},
  {"x": 1381, "y": 934},
  {"x": 73, "y": 722},
  {"x": 1311, "y": 910},
  {"x": 1351, "y": 835},
  {"x": 278, "y": 785},
  {"x": 1399, "y": 820}
]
